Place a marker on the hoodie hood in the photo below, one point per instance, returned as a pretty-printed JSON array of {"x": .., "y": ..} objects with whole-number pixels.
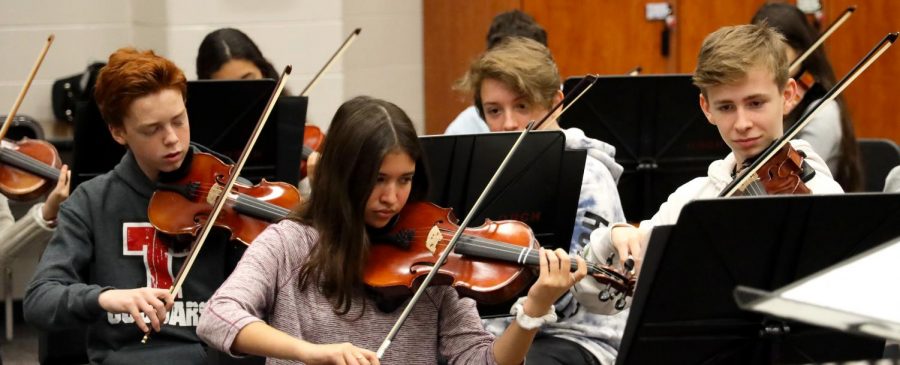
[
  {"x": 131, "y": 174},
  {"x": 596, "y": 149}
]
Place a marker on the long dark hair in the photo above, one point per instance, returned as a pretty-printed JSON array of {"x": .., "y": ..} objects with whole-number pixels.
[
  {"x": 226, "y": 44},
  {"x": 362, "y": 132},
  {"x": 800, "y": 35}
]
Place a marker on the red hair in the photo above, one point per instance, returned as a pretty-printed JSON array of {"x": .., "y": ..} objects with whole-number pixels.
[{"x": 131, "y": 74}]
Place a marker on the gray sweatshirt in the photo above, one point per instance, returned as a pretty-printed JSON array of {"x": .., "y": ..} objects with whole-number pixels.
[{"x": 104, "y": 241}]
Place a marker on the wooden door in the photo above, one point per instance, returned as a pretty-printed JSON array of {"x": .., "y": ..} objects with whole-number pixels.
[
  {"x": 455, "y": 33},
  {"x": 613, "y": 36},
  {"x": 601, "y": 36},
  {"x": 872, "y": 97}
]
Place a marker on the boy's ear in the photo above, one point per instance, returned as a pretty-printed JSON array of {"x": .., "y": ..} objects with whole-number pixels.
[
  {"x": 704, "y": 105},
  {"x": 118, "y": 134},
  {"x": 791, "y": 95},
  {"x": 557, "y": 97}
]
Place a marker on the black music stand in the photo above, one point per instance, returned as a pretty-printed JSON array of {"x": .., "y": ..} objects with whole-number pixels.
[
  {"x": 540, "y": 186},
  {"x": 683, "y": 309},
  {"x": 222, "y": 113},
  {"x": 661, "y": 136}
]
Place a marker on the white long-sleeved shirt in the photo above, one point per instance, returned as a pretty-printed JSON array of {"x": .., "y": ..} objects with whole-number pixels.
[{"x": 707, "y": 187}]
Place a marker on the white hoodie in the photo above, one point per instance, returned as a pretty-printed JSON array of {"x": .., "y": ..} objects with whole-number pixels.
[
  {"x": 598, "y": 206},
  {"x": 707, "y": 187}
]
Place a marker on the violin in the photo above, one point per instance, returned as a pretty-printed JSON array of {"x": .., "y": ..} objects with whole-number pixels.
[
  {"x": 312, "y": 142},
  {"x": 782, "y": 174},
  {"x": 181, "y": 207},
  {"x": 428, "y": 255},
  {"x": 28, "y": 168},
  {"x": 25, "y": 166},
  {"x": 212, "y": 188},
  {"x": 490, "y": 264}
]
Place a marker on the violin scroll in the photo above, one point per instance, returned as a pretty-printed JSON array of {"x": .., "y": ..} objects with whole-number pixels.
[{"x": 615, "y": 285}]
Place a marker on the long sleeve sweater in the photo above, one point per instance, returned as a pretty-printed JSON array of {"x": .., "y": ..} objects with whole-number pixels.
[
  {"x": 15, "y": 235},
  {"x": 265, "y": 287}
]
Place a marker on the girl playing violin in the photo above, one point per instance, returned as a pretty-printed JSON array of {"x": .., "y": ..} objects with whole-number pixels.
[
  {"x": 742, "y": 73},
  {"x": 514, "y": 83},
  {"x": 106, "y": 267},
  {"x": 298, "y": 293}
]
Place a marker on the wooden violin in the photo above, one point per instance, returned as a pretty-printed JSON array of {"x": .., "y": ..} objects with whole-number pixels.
[
  {"x": 183, "y": 206},
  {"x": 28, "y": 168},
  {"x": 781, "y": 174},
  {"x": 420, "y": 244},
  {"x": 222, "y": 183},
  {"x": 491, "y": 263}
]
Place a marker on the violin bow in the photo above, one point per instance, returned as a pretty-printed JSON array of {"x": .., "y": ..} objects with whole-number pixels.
[
  {"x": 576, "y": 93},
  {"x": 746, "y": 176},
  {"x": 794, "y": 68},
  {"x": 335, "y": 56},
  {"x": 34, "y": 69},
  {"x": 225, "y": 191}
]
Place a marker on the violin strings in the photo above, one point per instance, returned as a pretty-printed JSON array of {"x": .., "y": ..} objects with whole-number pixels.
[
  {"x": 250, "y": 202},
  {"x": 472, "y": 239},
  {"x": 28, "y": 161},
  {"x": 508, "y": 249},
  {"x": 513, "y": 250}
]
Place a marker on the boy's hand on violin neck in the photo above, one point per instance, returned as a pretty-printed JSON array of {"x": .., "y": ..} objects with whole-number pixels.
[
  {"x": 150, "y": 301},
  {"x": 59, "y": 194},
  {"x": 555, "y": 279},
  {"x": 337, "y": 353}
]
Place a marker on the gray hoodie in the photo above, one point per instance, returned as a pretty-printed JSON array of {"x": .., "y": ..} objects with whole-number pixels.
[{"x": 104, "y": 241}]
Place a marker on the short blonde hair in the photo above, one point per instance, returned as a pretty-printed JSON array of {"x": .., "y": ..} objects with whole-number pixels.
[
  {"x": 730, "y": 52},
  {"x": 522, "y": 64}
]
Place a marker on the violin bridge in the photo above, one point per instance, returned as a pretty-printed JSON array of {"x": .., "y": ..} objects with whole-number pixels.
[
  {"x": 214, "y": 193},
  {"x": 748, "y": 182},
  {"x": 434, "y": 237}
]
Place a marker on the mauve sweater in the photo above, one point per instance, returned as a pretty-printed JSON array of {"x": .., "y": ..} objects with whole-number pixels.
[{"x": 264, "y": 287}]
